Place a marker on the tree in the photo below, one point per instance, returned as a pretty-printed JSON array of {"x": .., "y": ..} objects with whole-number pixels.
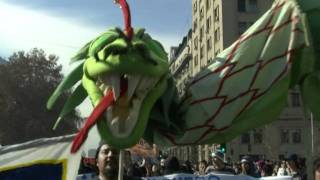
[
  {"x": 27, "y": 81},
  {"x": 2, "y": 61}
]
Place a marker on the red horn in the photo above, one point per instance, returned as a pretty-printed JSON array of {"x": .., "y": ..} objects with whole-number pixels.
[{"x": 127, "y": 17}]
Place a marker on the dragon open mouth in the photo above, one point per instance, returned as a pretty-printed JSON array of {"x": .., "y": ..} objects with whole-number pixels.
[{"x": 128, "y": 93}]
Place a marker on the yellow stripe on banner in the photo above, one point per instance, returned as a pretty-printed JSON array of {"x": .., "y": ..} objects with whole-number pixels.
[{"x": 64, "y": 163}]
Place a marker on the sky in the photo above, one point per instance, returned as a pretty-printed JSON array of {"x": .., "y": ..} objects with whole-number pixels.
[{"x": 62, "y": 27}]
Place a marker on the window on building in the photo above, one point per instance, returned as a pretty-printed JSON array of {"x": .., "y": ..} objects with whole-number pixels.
[
  {"x": 209, "y": 43},
  {"x": 252, "y": 6},
  {"x": 247, "y": 5},
  {"x": 201, "y": 52},
  {"x": 295, "y": 99},
  {"x": 208, "y": 23},
  {"x": 284, "y": 136},
  {"x": 217, "y": 52},
  {"x": 141, "y": 142},
  {"x": 217, "y": 34},
  {"x": 245, "y": 138},
  {"x": 201, "y": 13},
  {"x": 208, "y": 3},
  {"x": 250, "y": 24},
  {"x": 257, "y": 136},
  {"x": 201, "y": 33},
  {"x": 242, "y": 5},
  {"x": 195, "y": 7},
  {"x": 195, "y": 60},
  {"x": 195, "y": 43},
  {"x": 296, "y": 136},
  {"x": 216, "y": 14},
  {"x": 242, "y": 26},
  {"x": 195, "y": 25}
]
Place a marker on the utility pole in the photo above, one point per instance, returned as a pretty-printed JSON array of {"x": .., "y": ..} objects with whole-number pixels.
[
  {"x": 310, "y": 157},
  {"x": 312, "y": 134}
]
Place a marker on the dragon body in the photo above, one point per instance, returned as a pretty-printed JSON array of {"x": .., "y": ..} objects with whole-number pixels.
[{"x": 127, "y": 80}]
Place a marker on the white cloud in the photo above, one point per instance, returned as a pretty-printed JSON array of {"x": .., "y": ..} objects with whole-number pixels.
[{"x": 23, "y": 29}]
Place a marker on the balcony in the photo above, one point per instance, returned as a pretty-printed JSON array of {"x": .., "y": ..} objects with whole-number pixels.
[{"x": 186, "y": 59}]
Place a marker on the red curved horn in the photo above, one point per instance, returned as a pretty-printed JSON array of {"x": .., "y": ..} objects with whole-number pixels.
[{"x": 127, "y": 17}]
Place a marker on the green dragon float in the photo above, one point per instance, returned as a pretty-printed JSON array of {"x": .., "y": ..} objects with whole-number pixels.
[{"x": 126, "y": 76}]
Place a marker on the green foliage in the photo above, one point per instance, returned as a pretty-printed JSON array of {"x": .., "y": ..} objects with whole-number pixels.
[
  {"x": 27, "y": 81},
  {"x": 2, "y": 61}
]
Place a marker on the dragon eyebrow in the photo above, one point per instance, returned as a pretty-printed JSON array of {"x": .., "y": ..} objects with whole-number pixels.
[{"x": 145, "y": 51}]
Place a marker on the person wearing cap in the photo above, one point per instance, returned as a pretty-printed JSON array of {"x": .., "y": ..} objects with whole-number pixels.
[
  {"x": 248, "y": 167},
  {"x": 218, "y": 165}
]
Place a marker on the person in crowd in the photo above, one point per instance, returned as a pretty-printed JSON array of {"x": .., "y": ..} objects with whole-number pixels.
[
  {"x": 275, "y": 169},
  {"x": 218, "y": 165},
  {"x": 283, "y": 170},
  {"x": 266, "y": 170},
  {"x": 260, "y": 166},
  {"x": 195, "y": 168},
  {"x": 248, "y": 167},
  {"x": 172, "y": 165},
  {"x": 86, "y": 167},
  {"x": 145, "y": 167},
  {"x": 293, "y": 167},
  {"x": 130, "y": 169},
  {"x": 302, "y": 167},
  {"x": 107, "y": 161},
  {"x": 236, "y": 167},
  {"x": 317, "y": 169},
  {"x": 186, "y": 167},
  {"x": 202, "y": 168},
  {"x": 162, "y": 166},
  {"x": 155, "y": 170}
]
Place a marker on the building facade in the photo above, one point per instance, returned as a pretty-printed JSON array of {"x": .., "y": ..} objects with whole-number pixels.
[
  {"x": 181, "y": 62},
  {"x": 216, "y": 24},
  {"x": 294, "y": 132}
]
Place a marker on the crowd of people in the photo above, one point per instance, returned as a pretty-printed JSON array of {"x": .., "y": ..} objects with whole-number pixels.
[{"x": 107, "y": 166}]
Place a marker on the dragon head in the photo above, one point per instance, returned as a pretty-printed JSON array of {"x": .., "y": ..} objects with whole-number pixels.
[
  {"x": 134, "y": 73},
  {"x": 123, "y": 73},
  {"x": 131, "y": 74}
]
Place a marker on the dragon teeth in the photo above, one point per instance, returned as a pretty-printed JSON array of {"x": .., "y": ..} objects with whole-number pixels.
[
  {"x": 133, "y": 82},
  {"x": 115, "y": 123},
  {"x": 115, "y": 83},
  {"x": 109, "y": 113},
  {"x": 105, "y": 91}
]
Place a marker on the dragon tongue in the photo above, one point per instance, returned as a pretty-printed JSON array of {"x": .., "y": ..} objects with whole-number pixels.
[{"x": 98, "y": 111}]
